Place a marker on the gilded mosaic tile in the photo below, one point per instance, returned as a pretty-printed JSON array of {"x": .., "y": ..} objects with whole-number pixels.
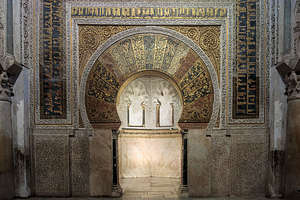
[
  {"x": 206, "y": 37},
  {"x": 91, "y": 37}
]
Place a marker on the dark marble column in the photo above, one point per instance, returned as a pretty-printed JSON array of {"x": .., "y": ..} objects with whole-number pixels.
[
  {"x": 291, "y": 78},
  {"x": 184, "y": 164},
  {"x": 9, "y": 72},
  {"x": 116, "y": 188}
]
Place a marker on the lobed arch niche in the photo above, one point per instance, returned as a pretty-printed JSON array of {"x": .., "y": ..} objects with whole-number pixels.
[
  {"x": 149, "y": 100},
  {"x": 146, "y": 49}
]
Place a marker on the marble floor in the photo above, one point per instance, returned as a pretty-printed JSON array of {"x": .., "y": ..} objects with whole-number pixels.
[{"x": 151, "y": 189}]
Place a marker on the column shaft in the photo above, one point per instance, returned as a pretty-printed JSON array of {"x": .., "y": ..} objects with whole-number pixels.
[
  {"x": 292, "y": 166},
  {"x": 6, "y": 158}
]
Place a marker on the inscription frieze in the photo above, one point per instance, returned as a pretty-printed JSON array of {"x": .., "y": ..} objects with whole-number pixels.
[
  {"x": 149, "y": 12},
  {"x": 246, "y": 81},
  {"x": 52, "y": 66}
]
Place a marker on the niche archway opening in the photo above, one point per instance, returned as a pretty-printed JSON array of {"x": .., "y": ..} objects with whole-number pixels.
[
  {"x": 150, "y": 143},
  {"x": 149, "y": 100}
]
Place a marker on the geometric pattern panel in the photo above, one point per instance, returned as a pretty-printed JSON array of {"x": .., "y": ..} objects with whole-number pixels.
[
  {"x": 246, "y": 79},
  {"x": 142, "y": 52}
]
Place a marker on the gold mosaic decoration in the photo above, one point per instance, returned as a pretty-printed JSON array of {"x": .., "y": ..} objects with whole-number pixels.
[
  {"x": 206, "y": 37},
  {"x": 149, "y": 52},
  {"x": 91, "y": 37}
]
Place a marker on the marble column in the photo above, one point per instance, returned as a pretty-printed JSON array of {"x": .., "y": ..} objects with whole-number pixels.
[
  {"x": 9, "y": 71},
  {"x": 184, "y": 162},
  {"x": 291, "y": 78},
  {"x": 116, "y": 188}
]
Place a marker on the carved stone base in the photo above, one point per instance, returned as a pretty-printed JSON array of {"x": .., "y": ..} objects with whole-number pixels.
[{"x": 116, "y": 191}]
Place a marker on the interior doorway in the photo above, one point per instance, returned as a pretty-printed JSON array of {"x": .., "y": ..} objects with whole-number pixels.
[{"x": 150, "y": 143}]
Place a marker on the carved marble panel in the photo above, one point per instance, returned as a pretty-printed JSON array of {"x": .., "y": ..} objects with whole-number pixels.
[
  {"x": 220, "y": 165},
  {"x": 51, "y": 165},
  {"x": 199, "y": 163},
  {"x": 248, "y": 161},
  {"x": 150, "y": 155},
  {"x": 101, "y": 163},
  {"x": 80, "y": 165}
]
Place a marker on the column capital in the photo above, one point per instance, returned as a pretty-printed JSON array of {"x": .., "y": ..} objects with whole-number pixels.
[
  {"x": 291, "y": 77},
  {"x": 9, "y": 72}
]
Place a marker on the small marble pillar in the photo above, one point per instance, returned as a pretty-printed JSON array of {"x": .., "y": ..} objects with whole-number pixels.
[
  {"x": 291, "y": 78},
  {"x": 116, "y": 188},
  {"x": 184, "y": 164},
  {"x": 9, "y": 72}
]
